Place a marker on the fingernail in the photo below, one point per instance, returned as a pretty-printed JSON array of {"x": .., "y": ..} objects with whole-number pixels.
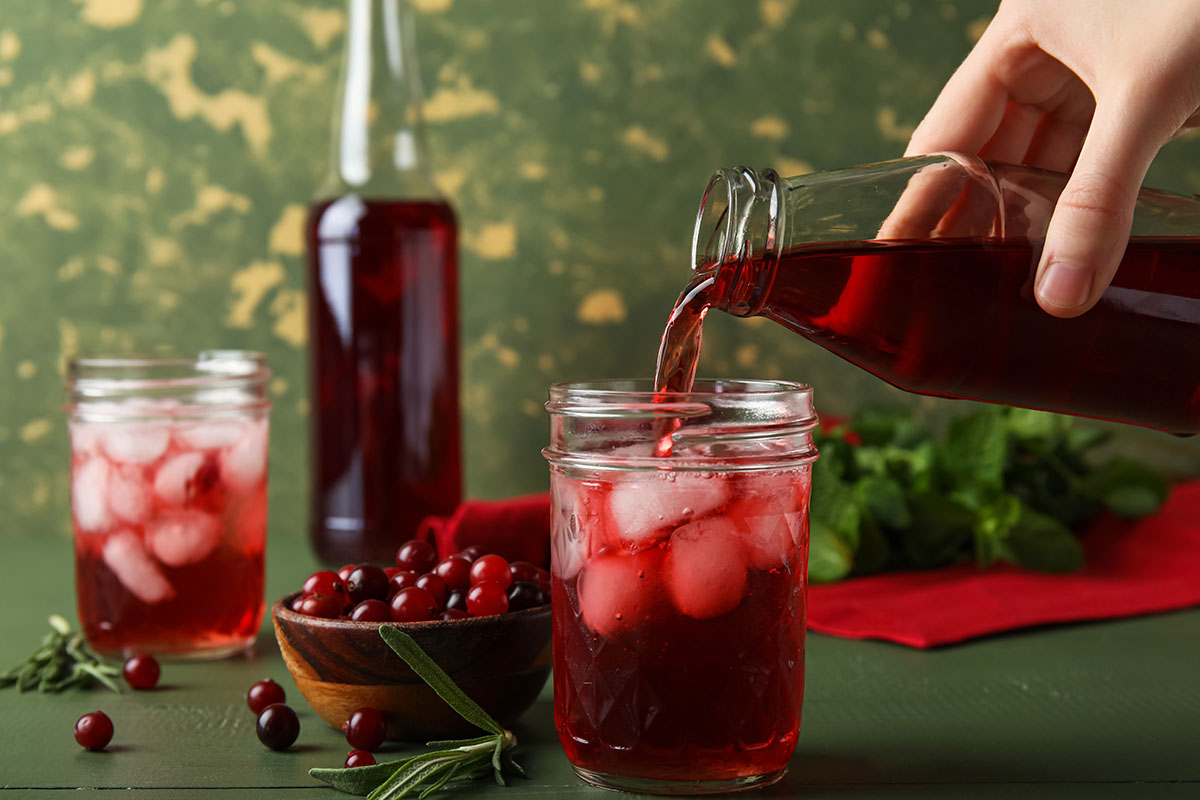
[{"x": 1065, "y": 285}]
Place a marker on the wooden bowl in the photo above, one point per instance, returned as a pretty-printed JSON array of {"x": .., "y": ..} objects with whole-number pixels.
[{"x": 501, "y": 662}]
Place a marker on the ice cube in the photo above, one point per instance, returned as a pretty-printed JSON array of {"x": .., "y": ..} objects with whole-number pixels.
[
  {"x": 641, "y": 508},
  {"x": 135, "y": 442},
  {"x": 244, "y": 464},
  {"x": 212, "y": 435},
  {"x": 183, "y": 537},
  {"x": 129, "y": 494},
  {"x": 175, "y": 482},
  {"x": 126, "y": 556},
  {"x": 771, "y": 513},
  {"x": 85, "y": 438},
  {"x": 619, "y": 590},
  {"x": 89, "y": 495},
  {"x": 706, "y": 568}
]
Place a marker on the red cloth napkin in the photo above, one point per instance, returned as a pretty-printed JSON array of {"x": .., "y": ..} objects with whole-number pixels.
[
  {"x": 1149, "y": 566},
  {"x": 1144, "y": 567},
  {"x": 517, "y": 528}
]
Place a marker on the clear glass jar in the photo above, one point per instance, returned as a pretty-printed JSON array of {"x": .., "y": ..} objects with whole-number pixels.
[
  {"x": 169, "y": 501},
  {"x": 679, "y": 531}
]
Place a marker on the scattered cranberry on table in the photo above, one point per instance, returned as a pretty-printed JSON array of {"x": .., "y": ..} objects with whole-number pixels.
[
  {"x": 366, "y": 729},
  {"x": 278, "y": 726},
  {"x": 94, "y": 731},
  {"x": 359, "y": 758},
  {"x": 263, "y": 694},
  {"x": 141, "y": 672}
]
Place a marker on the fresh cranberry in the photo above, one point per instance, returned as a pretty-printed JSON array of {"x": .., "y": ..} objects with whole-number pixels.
[
  {"x": 366, "y": 729},
  {"x": 491, "y": 568},
  {"x": 451, "y": 614},
  {"x": 366, "y": 582},
  {"x": 523, "y": 595},
  {"x": 371, "y": 611},
  {"x": 402, "y": 580},
  {"x": 486, "y": 599},
  {"x": 278, "y": 726},
  {"x": 413, "y": 604},
  {"x": 263, "y": 694},
  {"x": 324, "y": 581},
  {"x": 523, "y": 571},
  {"x": 142, "y": 671},
  {"x": 456, "y": 601},
  {"x": 296, "y": 603},
  {"x": 325, "y": 606},
  {"x": 344, "y": 571},
  {"x": 416, "y": 555},
  {"x": 359, "y": 758},
  {"x": 473, "y": 553},
  {"x": 456, "y": 572},
  {"x": 435, "y": 586},
  {"x": 94, "y": 731}
]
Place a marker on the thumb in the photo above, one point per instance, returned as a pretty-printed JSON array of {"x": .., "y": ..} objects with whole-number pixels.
[{"x": 1090, "y": 227}]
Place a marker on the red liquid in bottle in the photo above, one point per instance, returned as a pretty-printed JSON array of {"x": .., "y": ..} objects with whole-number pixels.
[
  {"x": 958, "y": 319},
  {"x": 384, "y": 338}
]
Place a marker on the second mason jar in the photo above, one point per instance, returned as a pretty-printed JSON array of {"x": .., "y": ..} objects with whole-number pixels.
[{"x": 679, "y": 531}]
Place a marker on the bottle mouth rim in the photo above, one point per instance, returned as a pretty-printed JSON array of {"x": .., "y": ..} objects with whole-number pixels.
[{"x": 730, "y": 199}]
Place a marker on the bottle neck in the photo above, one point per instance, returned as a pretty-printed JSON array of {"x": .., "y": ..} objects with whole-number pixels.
[
  {"x": 739, "y": 234},
  {"x": 378, "y": 145}
]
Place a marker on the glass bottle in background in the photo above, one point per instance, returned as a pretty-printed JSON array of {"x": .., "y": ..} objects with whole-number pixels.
[{"x": 383, "y": 307}]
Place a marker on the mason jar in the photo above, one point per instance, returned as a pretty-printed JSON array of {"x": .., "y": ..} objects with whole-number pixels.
[
  {"x": 679, "y": 530},
  {"x": 169, "y": 501}
]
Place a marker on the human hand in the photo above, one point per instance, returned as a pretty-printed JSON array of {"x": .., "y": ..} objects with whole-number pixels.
[{"x": 1094, "y": 87}]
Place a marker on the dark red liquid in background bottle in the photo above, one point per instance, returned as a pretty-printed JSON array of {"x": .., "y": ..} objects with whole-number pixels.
[
  {"x": 957, "y": 318},
  {"x": 384, "y": 366}
]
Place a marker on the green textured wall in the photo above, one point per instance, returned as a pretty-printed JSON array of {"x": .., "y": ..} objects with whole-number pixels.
[{"x": 157, "y": 155}]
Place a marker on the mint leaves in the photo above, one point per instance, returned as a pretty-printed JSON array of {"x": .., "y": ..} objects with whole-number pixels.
[
  {"x": 450, "y": 761},
  {"x": 1002, "y": 484}
]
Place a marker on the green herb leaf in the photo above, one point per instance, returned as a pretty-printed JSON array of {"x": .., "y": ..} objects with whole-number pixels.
[
  {"x": 976, "y": 447},
  {"x": 61, "y": 661},
  {"x": 883, "y": 498},
  {"x": 359, "y": 781},
  {"x": 940, "y": 528},
  {"x": 829, "y": 558},
  {"x": 438, "y": 680},
  {"x": 1043, "y": 543},
  {"x": 1129, "y": 489}
]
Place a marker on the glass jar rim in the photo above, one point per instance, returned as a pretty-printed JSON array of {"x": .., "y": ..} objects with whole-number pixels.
[
  {"x": 99, "y": 380},
  {"x": 635, "y": 397}
]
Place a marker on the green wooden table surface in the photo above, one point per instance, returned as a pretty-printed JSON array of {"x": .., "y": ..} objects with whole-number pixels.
[{"x": 1091, "y": 711}]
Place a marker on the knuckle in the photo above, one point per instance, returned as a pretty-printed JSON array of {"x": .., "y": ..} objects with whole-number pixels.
[{"x": 1099, "y": 198}]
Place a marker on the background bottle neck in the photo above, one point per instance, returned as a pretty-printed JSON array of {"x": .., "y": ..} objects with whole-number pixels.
[{"x": 378, "y": 145}]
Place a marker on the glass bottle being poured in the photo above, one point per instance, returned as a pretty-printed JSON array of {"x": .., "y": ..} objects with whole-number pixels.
[{"x": 921, "y": 271}]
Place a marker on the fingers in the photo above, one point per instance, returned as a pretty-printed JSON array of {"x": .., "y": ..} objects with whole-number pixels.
[
  {"x": 1013, "y": 135},
  {"x": 967, "y": 112},
  {"x": 1090, "y": 226}
]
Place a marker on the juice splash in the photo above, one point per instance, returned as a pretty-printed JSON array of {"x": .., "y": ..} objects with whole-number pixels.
[
  {"x": 384, "y": 334},
  {"x": 170, "y": 522}
]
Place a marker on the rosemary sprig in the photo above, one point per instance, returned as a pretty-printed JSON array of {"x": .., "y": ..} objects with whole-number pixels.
[
  {"x": 451, "y": 762},
  {"x": 63, "y": 661}
]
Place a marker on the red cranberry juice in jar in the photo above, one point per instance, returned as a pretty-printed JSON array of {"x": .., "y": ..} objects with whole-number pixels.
[
  {"x": 679, "y": 582},
  {"x": 384, "y": 333},
  {"x": 169, "y": 502}
]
